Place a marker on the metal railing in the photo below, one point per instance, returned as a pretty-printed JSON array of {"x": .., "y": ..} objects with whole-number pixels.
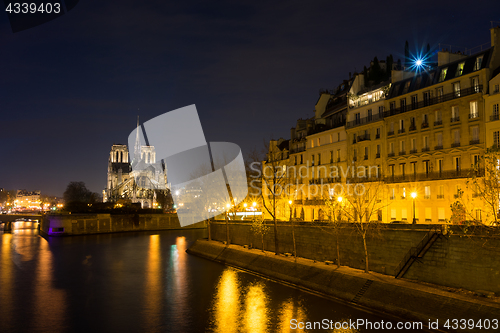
[
  {"x": 435, "y": 100},
  {"x": 365, "y": 120},
  {"x": 437, "y": 175}
]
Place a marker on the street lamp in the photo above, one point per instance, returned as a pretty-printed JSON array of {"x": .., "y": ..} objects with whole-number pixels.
[
  {"x": 254, "y": 209},
  {"x": 339, "y": 199},
  {"x": 227, "y": 225},
  {"x": 414, "y": 195},
  {"x": 293, "y": 231}
]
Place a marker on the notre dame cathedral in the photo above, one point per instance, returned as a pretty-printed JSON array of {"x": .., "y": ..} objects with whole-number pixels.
[{"x": 135, "y": 181}]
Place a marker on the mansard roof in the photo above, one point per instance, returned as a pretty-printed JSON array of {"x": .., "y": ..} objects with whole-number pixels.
[{"x": 430, "y": 78}]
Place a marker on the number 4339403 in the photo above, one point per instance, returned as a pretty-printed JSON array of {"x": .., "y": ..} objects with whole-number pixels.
[{"x": 32, "y": 8}]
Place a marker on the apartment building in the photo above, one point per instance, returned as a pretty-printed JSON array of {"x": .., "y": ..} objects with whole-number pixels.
[{"x": 421, "y": 134}]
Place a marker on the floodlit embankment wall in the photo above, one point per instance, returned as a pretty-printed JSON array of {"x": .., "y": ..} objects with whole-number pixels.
[{"x": 464, "y": 258}]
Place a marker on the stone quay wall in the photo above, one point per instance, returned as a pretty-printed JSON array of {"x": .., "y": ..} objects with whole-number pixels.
[
  {"x": 466, "y": 258},
  {"x": 84, "y": 224}
]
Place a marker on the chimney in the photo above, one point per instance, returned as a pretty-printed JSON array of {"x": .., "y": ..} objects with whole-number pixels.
[{"x": 495, "y": 43}]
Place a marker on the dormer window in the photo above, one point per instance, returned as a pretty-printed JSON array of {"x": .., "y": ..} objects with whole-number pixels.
[
  {"x": 460, "y": 68},
  {"x": 477, "y": 64},
  {"x": 442, "y": 75}
]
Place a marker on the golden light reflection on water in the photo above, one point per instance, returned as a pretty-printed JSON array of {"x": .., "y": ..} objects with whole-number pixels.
[
  {"x": 256, "y": 309},
  {"x": 50, "y": 302},
  {"x": 6, "y": 280},
  {"x": 288, "y": 311},
  {"x": 153, "y": 294},
  {"x": 177, "y": 287},
  {"x": 227, "y": 304}
]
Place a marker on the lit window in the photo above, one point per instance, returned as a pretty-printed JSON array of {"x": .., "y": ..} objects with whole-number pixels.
[
  {"x": 474, "y": 113},
  {"x": 427, "y": 192},
  {"x": 456, "y": 89},
  {"x": 496, "y": 139},
  {"x": 460, "y": 68},
  {"x": 442, "y": 75}
]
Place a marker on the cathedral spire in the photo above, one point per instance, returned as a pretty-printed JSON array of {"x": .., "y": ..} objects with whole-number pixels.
[{"x": 137, "y": 147}]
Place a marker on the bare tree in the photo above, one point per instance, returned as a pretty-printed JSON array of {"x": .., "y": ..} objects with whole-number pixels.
[
  {"x": 362, "y": 204},
  {"x": 260, "y": 228},
  {"x": 485, "y": 184},
  {"x": 333, "y": 204},
  {"x": 274, "y": 183}
]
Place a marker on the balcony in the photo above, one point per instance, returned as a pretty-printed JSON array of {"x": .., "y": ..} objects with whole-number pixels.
[
  {"x": 402, "y": 130},
  {"x": 455, "y": 119},
  {"x": 425, "y": 125},
  {"x": 425, "y": 149},
  {"x": 473, "y": 116},
  {"x": 354, "y": 158},
  {"x": 427, "y": 196},
  {"x": 440, "y": 196},
  {"x": 353, "y": 141},
  {"x": 438, "y": 147},
  {"x": 435, "y": 100},
  {"x": 438, "y": 123},
  {"x": 390, "y": 155},
  {"x": 413, "y": 128},
  {"x": 455, "y": 144},
  {"x": 365, "y": 120},
  {"x": 377, "y": 136},
  {"x": 474, "y": 142},
  {"x": 377, "y": 155},
  {"x": 451, "y": 174},
  {"x": 413, "y": 151},
  {"x": 494, "y": 117},
  {"x": 364, "y": 137},
  {"x": 365, "y": 157},
  {"x": 402, "y": 153},
  {"x": 390, "y": 133}
]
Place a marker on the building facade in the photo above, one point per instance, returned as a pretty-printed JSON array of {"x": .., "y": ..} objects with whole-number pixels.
[
  {"x": 134, "y": 181},
  {"x": 421, "y": 135}
]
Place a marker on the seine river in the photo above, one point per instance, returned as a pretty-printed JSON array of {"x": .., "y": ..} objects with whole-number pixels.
[{"x": 146, "y": 282}]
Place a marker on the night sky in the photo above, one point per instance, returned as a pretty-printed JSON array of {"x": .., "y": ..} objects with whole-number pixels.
[{"x": 72, "y": 87}]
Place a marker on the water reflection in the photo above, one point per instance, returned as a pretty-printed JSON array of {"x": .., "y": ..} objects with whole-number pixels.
[
  {"x": 50, "y": 302},
  {"x": 153, "y": 289},
  {"x": 256, "y": 316},
  {"x": 227, "y": 304},
  {"x": 290, "y": 310},
  {"x": 178, "y": 291},
  {"x": 6, "y": 280}
]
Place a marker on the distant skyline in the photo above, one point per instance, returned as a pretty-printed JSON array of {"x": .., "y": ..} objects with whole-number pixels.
[{"x": 73, "y": 87}]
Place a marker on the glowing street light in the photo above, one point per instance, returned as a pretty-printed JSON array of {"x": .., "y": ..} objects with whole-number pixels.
[
  {"x": 414, "y": 195},
  {"x": 339, "y": 199}
]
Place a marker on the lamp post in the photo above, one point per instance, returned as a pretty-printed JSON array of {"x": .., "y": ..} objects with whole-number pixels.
[
  {"x": 227, "y": 225},
  {"x": 339, "y": 199},
  {"x": 414, "y": 195},
  {"x": 245, "y": 205},
  {"x": 293, "y": 231},
  {"x": 254, "y": 208}
]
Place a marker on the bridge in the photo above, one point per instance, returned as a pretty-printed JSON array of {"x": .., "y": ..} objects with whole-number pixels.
[{"x": 8, "y": 221}]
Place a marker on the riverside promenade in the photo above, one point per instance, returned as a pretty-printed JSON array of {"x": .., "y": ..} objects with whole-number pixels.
[{"x": 402, "y": 298}]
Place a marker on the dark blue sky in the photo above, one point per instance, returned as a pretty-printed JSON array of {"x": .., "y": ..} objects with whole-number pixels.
[{"x": 72, "y": 87}]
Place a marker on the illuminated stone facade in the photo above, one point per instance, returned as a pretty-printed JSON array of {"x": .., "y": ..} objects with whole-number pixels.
[{"x": 419, "y": 133}]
